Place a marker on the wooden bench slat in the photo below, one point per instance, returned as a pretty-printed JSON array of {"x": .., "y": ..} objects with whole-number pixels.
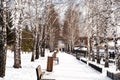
[{"x": 39, "y": 72}]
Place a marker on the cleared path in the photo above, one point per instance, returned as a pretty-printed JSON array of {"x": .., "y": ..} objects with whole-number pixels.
[{"x": 69, "y": 68}]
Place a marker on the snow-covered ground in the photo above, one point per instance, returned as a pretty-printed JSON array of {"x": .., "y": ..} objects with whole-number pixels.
[{"x": 69, "y": 68}]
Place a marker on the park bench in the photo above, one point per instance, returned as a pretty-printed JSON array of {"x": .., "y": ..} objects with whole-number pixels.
[
  {"x": 85, "y": 61},
  {"x": 116, "y": 76},
  {"x": 55, "y": 58},
  {"x": 110, "y": 74},
  {"x": 40, "y": 73},
  {"x": 95, "y": 67},
  {"x": 113, "y": 76}
]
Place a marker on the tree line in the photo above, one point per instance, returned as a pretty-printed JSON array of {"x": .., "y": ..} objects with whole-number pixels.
[
  {"x": 30, "y": 26},
  {"x": 34, "y": 25}
]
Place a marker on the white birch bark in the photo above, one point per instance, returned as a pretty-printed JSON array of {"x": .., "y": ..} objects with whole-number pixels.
[{"x": 3, "y": 41}]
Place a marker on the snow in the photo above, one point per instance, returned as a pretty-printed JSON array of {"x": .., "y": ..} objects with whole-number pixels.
[
  {"x": 69, "y": 68},
  {"x": 112, "y": 66},
  {"x": 111, "y": 43},
  {"x": 75, "y": 48},
  {"x": 85, "y": 49},
  {"x": 82, "y": 48}
]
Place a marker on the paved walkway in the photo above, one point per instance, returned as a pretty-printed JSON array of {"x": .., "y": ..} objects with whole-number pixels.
[{"x": 69, "y": 68}]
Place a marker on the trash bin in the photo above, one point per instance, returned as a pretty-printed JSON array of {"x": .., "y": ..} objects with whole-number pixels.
[{"x": 50, "y": 64}]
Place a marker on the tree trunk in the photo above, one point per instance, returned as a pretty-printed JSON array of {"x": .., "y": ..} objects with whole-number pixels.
[
  {"x": 72, "y": 46},
  {"x": 2, "y": 62},
  {"x": 43, "y": 49},
  {"x": 3, "y": 41},
  {"x": 68, "y": 48},
  {"x": 98, "y": 55},
  {"x": 2, "y": 55},
  {"x": 17, "y": 51},
  {"x": 17, "y": 44},
  {"x": 37, "y": 49},
  {"x": 33, "y": 55},
  {"x": 93, "y": 56},
  {"x": 43, "y": 41},
  {"x": 34, "y": 50},
  {"x": 51, "y": 46},
  {"x": 37, "y": 52},
  {"x": 42, "y": 52},
  {"x": 106, "y": 56},
  {"x": 89, "y": 53},
  {"x": 97, "y": 52},
  {"x": 117, "y": 59},
  {"x": 51, "y": 42}
]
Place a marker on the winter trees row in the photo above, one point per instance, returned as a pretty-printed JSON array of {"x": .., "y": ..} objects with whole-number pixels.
[
  {"x": 101, "y": 20},
  {"x": 94, "y": 19},
  {"x": 42, "y": 21},
  {"x": 71, "y": 26}
]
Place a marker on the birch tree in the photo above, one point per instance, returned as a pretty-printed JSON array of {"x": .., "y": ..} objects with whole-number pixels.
[
  {"x": 35, "y": 31},
  {"x": 105, "y": 18},
  {"x": 115, "y": 23},
  {"x": 3, "y": 41},
  {"x": 17, "y": 22},
  {"x": 53, "y": 25},
  {"x": 89, "y": 26},
  {"x": 70, "y": 29}
]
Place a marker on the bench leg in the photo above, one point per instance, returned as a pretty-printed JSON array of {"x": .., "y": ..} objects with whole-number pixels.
[{"x": 57, "y": 60}]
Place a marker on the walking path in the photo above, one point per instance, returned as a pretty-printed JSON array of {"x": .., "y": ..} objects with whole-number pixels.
[{"x": 69, "y": 68}]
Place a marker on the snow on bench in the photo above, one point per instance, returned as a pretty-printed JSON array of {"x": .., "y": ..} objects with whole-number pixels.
[
  {"x": 114, "y": 75},
  {"x": 40, "y": 73}
]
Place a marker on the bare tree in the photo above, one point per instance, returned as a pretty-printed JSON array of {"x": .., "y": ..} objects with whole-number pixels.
[
  {"x": 52, "y": 26},
  {"x": 70, "y": 29},
  {"x": 88, "y": 24},
  {"x": 34, "y": 21},
  {"x": 35, "y": 32},
  {"x": 99, "y": 13},
  {"x": 115, "y": 23}
]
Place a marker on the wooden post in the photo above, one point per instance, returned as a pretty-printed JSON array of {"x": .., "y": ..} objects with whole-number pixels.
[{"x": 50, "y": 64}]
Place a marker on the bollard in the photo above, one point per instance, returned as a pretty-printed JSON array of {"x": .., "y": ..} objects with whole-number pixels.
[{"x": 50, "y": 64}]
